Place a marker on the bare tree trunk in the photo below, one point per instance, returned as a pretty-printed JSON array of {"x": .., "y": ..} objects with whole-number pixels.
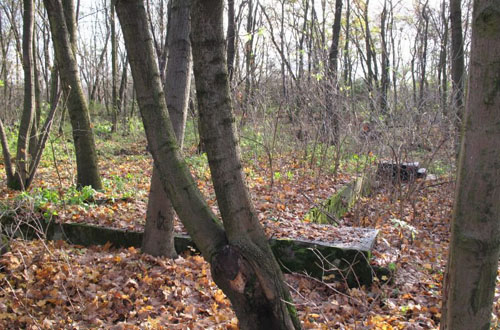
[
  {"x": 4, "y": 49},
  {"x": 159, "y": 36},
  {"x": 22, "y": 175},
  {"x": 469, "y": 284},
  {"x": 443, "y": 55},
  {"x": 371, "y": 62},
  {"x": 201, "y": 223},
  {"x": 385, "y": 68},
  {"x": 413, "y": 69},
  {"x": 38, "y": 110},
  {"x": 62, "y": 25},
  {"x": 159, "y": 230},
  {"x": 122, "y": 92},
  {"x": 7, "y": 159},
  {"x": 457, "y": 67},
  {"x": 260, "y": 304},
  {"x": 249, "y": 60},
  {"x": 304, "y": 32},
  {"x": 347, "y": 59},
  {"x": 423, "y": 55},
  {"x": 241, "y": 259},
  {"x": 395, "y": 58},
  {"x": 18, "y": 181},
  {"x": 231, "y": 41},
  {"x": 114, "y": 69},
  {"x": 95, "y": 86},
  {"x": 332, "y": 78}
]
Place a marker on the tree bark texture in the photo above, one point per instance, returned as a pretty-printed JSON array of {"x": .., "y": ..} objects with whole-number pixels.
[
  {"x": 249, "y": 61},
  {"x": 18, "y": 180},
  {"x": 7, "y": 159},
  {"x": 475, "y": 239},
  {"x": 114, "y": 69},
  {"x": 384, "y": 65},
  {"x": 347, "y": 59},
  {"x": 443, "y": 55},
  {"x": 30, "y": 138},
  {"x": 201, "y": 224},
  {"x": 38, "y": 110},
  {"x": 242, "y": 262},
  {"x": 423, "y": 55},
  {"x": 179, "y": 66},
  {"x": 62, "y": 25},
  {"x": 457, "y": 61},
  {"x": 231, "y": 41},
  {"x": 159, "y": 230},
  {"x": 371, "y": 63},
  {"x": 158, "y": 239},
  {"x": 245, "y": 269},
  {"x": 333, "y": 116}
]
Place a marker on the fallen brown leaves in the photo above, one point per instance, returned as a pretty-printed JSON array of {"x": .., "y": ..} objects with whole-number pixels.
[
  {"x": 63, "y": 286},
  {"x": 56, "y": 285}
]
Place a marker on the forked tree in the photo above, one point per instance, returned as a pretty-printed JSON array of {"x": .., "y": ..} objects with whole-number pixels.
[
  {"x": 471, "y": 273},
  {"x": 242, "y": 262},
  {"x": 21, "y": 170},
  {"x": 17, "y": 178}
]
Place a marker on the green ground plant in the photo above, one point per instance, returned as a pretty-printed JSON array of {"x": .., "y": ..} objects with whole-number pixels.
[{"x": 47, "y": 200}]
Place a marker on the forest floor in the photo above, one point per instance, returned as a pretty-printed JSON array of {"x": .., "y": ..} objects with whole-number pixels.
[{"x": 57, "y": 285}]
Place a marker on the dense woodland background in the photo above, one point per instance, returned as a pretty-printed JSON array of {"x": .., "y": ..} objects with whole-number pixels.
[
  {"x": 322, "y": 91},
  {"x": 390, "y": 62}
]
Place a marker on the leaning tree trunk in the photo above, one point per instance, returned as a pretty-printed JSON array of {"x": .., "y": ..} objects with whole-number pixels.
[
  {"x": 241, "y": 259},
  {"x": 159, "y": 231},
  {"x": 201, "y": 223},
  {"x": 62, "y": 25},
  {"x": 264, "y": 303},
  {"x": 474, "y": 248}
]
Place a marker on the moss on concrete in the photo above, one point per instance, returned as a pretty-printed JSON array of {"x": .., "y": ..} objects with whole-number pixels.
[
  {"x": 341, "y": 202},
  {"x": 320, "y": 260}
]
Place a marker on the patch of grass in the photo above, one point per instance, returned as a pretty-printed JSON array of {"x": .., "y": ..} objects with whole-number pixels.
[{"x": 119, "y": 186}]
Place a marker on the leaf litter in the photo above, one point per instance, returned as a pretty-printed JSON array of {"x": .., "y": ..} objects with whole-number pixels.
[{"x": 56, "y": 285}]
